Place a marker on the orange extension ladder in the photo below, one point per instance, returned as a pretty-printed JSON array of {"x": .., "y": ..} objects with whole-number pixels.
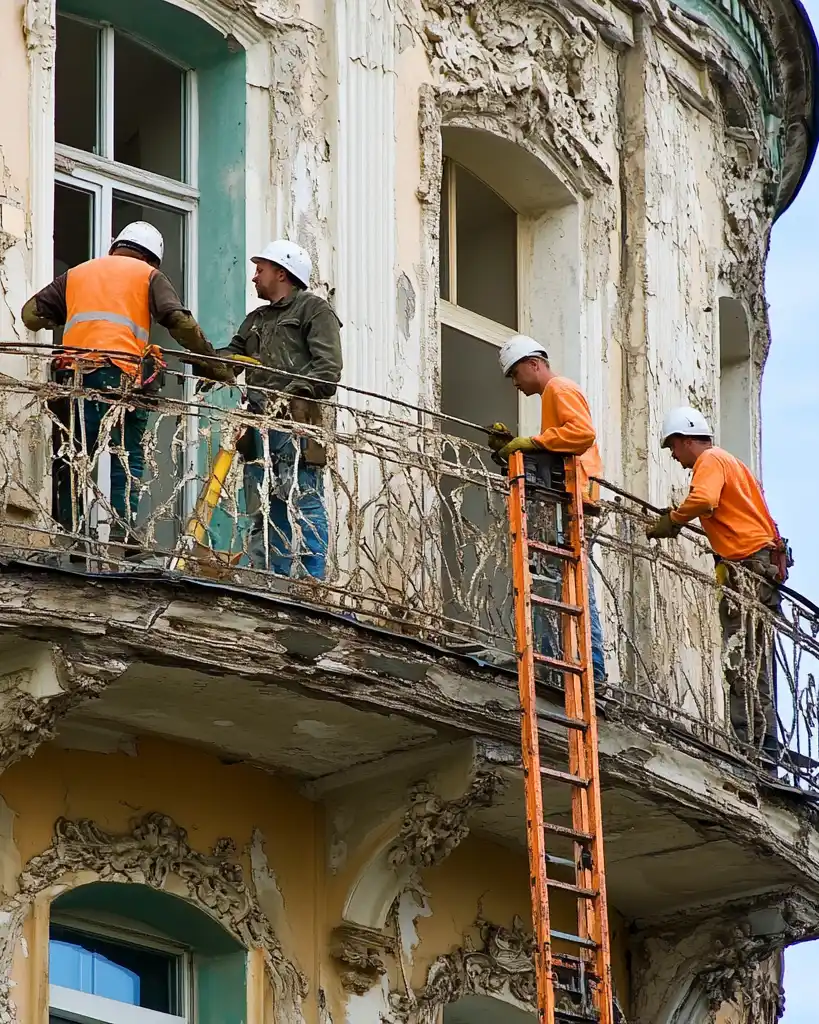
[{"x": 574, "y": 986}]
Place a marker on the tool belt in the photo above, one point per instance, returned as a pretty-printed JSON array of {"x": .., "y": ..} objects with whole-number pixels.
[
  {"x": 781, "y": 560},
  {"x": 150, "y": 376},
  {"x": 302, "y": 410}
]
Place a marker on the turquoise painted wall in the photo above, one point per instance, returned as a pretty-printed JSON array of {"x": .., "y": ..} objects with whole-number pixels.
[{"x": 221, "y": 989}]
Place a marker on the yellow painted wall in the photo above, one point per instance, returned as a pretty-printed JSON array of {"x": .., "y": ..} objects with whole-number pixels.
[{"x": 208, "y": 799}]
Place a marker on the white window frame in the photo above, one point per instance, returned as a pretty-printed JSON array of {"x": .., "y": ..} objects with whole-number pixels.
[
  {"x": 102, "y": 175},
  {"x": 457, "y": 317},
  {"x": 92, "y": 1009}
]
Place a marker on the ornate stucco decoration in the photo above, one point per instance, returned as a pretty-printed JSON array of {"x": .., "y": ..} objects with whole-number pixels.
[
  {"x": 360, "y": 952},
  {"x": 532, "y": 66},
  {"x": 156, "y": 850},
  {"x": 433, "y": 827},
  {"x": 502, "y": 965},
  {"x": 33, "y": 699},
  {"x": 706, "y": 961}
]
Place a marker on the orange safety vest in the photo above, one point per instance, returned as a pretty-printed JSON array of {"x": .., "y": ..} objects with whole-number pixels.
[{"x": 108, "y": 310}]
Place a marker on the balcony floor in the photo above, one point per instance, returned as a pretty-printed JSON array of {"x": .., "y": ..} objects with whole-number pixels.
[{"x": 308, "y": 693}]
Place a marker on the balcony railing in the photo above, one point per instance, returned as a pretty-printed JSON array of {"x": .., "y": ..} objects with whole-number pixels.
[{"x": 406, "y": 527}]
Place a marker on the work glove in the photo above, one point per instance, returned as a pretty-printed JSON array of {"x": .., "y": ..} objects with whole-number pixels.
[
  {"x": 499, "y": 435},
  {"x": 519, "y": 444},
  {"x": 663, "y": 527}
]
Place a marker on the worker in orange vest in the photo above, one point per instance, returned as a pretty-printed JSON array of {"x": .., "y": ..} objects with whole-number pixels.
[
  {"x": 106, "y": 307},
  {"x": 751, "y": 556},
  {"x": 566, "y": 428}
]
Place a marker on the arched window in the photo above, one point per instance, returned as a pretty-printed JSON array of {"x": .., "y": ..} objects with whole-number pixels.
[
  {"x": 486, "y": 1010},
  {"x": 736, "y": 385},
  {"x": 127, "y": 954},
  {"x": 509, "y": 261},
  {"x": 479, "y": 296}
]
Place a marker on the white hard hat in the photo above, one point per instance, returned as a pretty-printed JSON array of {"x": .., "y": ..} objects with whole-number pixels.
[
  {"x": 292, "y": 257},
  {"x": 687, "y": 422},
  {"x": 520, "y": 346},
  {"x": 143, "y": 237}
]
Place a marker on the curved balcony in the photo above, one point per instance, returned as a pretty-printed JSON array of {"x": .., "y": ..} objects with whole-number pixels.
[{"x": 417, "y": 545}]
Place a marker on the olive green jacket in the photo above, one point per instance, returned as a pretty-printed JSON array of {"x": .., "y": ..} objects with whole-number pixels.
[{"x": 298, "y": 335}]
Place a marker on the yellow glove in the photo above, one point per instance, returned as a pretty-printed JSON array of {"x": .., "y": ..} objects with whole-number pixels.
[
  {"x": 663, "y": 527},
  {"x": 519, "y": 444},
  {"x": 499, "y": 435},
  {"x": 721, "y": 573}
]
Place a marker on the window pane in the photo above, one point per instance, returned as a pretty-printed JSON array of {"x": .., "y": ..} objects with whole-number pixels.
[
  {"x": 172, "y": 225},
  {"x": 114, "y": 970},
  {"x": 487, "y": 244},
  {"x": 76, "y": 84},
  {"x": 73, "y": 227},
  {"x": 148, "y": 110},
  {"x": 472, "y": 386}
]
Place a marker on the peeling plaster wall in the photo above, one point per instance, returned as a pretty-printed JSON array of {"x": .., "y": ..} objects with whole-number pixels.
[
  {"x": 481, "y": 879},
  {"x": 276, "y": 832}
]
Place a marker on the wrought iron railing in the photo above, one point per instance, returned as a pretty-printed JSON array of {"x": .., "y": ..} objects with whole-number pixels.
[{"x": 412, "y": 534}]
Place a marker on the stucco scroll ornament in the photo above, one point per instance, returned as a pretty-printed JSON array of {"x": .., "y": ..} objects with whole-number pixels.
[
  {"x": 155, "y": 849},
  {"x": 28, "y": 719},
  {"x": 361, "y": 952},
  {"x": 433, "y": 827},
  {"x": 502, "y": 965},
  {"x": 532, "y": 64}
]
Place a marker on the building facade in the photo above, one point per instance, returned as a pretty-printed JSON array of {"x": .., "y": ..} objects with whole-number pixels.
[{"x": 230, "y": 797}]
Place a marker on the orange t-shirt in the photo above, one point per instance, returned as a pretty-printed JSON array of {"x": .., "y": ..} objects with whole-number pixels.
[
  {"x": 566, "y": 426},
  {"x": 731, "y": 507}
]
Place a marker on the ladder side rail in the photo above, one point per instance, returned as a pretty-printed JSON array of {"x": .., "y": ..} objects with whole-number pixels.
[
  {"x": 579, "y": 763},
  {"x": 530, "y": 747},
  {"x": 596, "y": 876}
]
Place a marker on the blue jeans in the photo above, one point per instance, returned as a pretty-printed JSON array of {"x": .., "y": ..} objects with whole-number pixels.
[
  {"x": 294, "y": 498},
  {"x": 547, "y": 636},
  {"x": 125, "y": 476}
]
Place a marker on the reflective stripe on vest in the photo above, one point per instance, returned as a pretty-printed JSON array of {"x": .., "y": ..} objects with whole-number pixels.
[
  {"x": 108, "y": 311},
  {"x": 111, "y": 318}
]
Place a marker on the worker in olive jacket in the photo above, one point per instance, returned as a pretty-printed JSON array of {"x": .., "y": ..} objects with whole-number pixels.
[{"x": 295, "y": 335}]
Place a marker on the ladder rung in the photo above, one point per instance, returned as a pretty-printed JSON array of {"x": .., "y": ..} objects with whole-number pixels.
[
  {"x": 556, "y": 663},
  {"x": 560, "y": 718},
  {"x": 558, "y": 606},
  {"x": 572, "y": 780},
  {"x": 575, "y": 940},
  {"x": 570, "y": 833},
  {"x": 578, "y": 890},
  {"x": 551, "y": 549}
]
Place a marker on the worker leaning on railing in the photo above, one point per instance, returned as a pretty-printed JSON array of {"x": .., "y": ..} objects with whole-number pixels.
[
  {"x": 728, "y": 500},
  {"x": 295, "y": 336},
  {"x": 106, "y": 307},
  {"x": 566, "y": 428}
]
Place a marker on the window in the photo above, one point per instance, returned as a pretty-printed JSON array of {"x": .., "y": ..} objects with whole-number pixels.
[
  {"x": 126, "y": 150},
  {"x": 736, "y": 390},
  {"x": 479, "y": 297},
  {"x": 94, "y": 976},
  {"x": 129, "y": 954}
]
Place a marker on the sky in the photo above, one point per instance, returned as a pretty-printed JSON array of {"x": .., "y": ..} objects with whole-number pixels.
[{"x": 790, "y": 441}]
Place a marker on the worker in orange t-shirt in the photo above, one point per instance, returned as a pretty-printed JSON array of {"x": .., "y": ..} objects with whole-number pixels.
[
  {"x": 566, "y": 428},
  {"x": 728, "y": 500}
]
